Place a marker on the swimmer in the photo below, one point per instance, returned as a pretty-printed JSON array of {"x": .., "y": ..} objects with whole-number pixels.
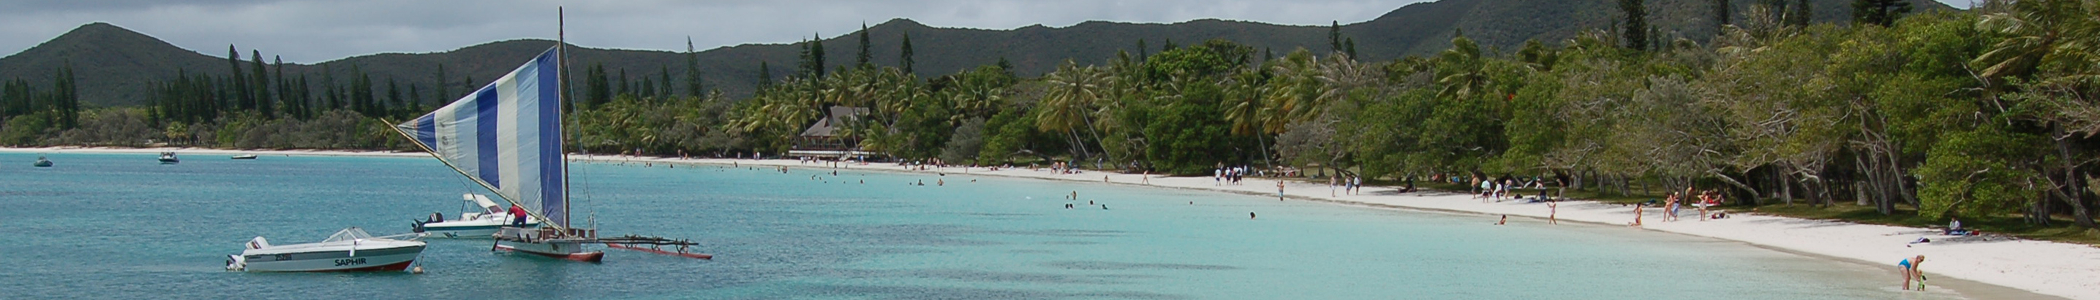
[
  {"x": 1505, "y": 220},
  {"x": 1250, "y": 215}
]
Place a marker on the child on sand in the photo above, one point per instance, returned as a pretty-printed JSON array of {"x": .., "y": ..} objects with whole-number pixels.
[
  {"x": 1552, "y": 212},
  {"x": 1637, "y": 214}
]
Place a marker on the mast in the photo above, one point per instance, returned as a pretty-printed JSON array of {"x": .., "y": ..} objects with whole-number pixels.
[{"x": 561, "y": 54}]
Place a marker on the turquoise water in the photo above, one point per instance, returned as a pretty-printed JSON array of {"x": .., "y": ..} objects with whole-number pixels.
[{"x": 124, "y": 226}]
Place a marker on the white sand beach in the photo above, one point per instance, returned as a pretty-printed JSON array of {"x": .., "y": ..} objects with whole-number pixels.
[{"x": 2029, "y": 268}]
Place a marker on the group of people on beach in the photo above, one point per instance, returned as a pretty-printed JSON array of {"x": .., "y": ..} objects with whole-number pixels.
[
  {"x": 1675, "y": 201},
  {"x": 1348, "y": 185},
  {"x": 1223, "y": 175}
]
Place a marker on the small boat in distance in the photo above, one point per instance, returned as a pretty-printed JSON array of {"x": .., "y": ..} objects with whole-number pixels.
[
  {"x": 168, "y": 158},
  {"x": 350, "y": 249},
  {"x": 42, "y": 163},
  {"x": 472, "y": 225},
  {"x": 244, "y": 156}
]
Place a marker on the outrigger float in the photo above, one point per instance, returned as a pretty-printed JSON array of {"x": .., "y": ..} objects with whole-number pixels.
[{"x": 508, "y": 138}]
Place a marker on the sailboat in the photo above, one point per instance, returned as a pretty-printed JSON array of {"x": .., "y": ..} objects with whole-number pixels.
[{"x": 507, "y": 137}]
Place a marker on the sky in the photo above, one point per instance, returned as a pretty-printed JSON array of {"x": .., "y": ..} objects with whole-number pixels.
[{"x": 309, "y": 31}]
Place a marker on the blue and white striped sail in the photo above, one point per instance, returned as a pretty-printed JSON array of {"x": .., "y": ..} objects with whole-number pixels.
[{"x": 506, "y": 136}]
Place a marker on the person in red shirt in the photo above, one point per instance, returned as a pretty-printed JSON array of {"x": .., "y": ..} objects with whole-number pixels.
[{"x": 517, "y": 215}]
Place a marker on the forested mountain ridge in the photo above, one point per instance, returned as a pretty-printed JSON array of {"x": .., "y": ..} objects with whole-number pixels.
[{"x": 117, "y": 66}]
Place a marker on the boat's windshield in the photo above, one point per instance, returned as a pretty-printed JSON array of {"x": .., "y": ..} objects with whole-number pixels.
[{"x": 352, "y": 233}]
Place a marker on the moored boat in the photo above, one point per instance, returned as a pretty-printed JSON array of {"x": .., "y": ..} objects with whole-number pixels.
[
  {"x": 244, "y": 156},
  {"x": 41, "y": 162},
  {"x": 472, "y": 225},
  {"x": 350, "y": 249},
  {"x": 168, "y": 158}
]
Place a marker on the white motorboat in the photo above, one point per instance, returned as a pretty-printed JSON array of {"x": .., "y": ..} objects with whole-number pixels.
[
  {"x": 472, "y": 225},
  {"x": 168, "y": 158},
  {"x": 348, "y": 250},
  {"x": 41, "y": 162},
  {"x": 244, "y": 156}
]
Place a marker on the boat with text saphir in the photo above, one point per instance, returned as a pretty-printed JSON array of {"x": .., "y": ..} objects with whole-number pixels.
[
  {"x": 507, "y": 137},
  {"x": 350, "y": 249}
]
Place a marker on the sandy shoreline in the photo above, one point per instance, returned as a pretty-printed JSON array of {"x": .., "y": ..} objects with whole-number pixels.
[{"x": 1985, "y": 269}]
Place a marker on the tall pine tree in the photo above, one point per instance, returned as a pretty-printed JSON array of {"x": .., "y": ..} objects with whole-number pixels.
[
  {"x": 904, "y": 58},
  {"x": 864, "y": 55},
  {"x": 260, "y": 82},
  {"x": 1635, "y": 32},
  {"x": 1879, "y": 12},
  {"x": 1724, "y": 14},
  {"x": 245, "y": 98},
  {"x": 693, "y": 86},
  {"x": 1334, "y": 37}
]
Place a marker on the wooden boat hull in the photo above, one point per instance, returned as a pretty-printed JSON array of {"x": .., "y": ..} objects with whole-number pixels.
[{"x": 558, "y": 249}]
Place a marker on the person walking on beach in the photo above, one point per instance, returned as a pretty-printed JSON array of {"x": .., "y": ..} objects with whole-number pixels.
[
  {"x": 1356, "y": 186},
  {"x": 1331, "y": 185},
  {"x": 1909, "y": 268},
  {"x": 1705, "y": 199},
  {"x": 1670, "y": 208}
]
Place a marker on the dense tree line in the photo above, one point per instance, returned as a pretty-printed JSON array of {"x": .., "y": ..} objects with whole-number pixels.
[
  {"x": 1985, "y": 113},
  {"x": 30, "y": 113}
]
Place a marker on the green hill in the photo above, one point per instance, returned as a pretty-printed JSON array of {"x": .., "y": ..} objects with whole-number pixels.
[{"x": 116, "y": 65}]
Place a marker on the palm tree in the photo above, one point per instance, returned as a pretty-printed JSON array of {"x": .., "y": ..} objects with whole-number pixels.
[
  {"x": 2040, "y": 33},
  {"x": 1293, "y": 93},
  {"x": 1068, "y": 103},
  {"x": 1463, "y": 76}
]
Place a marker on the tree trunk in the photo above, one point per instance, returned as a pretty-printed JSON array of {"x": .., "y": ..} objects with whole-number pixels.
[
  {"x": 1786, "y": 188},
  {"x": 2073, "y": 190}
]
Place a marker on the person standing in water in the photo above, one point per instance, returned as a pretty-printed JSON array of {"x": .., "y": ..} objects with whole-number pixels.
[
  {"x": 1279, "y": 190},
  {"x": 1909, "y": 268}
]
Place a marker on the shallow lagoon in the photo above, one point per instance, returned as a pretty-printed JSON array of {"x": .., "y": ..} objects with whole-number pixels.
[{"x": 124, "y": 226}]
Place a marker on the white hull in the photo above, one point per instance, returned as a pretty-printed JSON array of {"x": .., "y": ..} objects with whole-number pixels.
[
  {"x": 479, "y": 228},
  {"x": 349, "y": 250},
  {"x": 389, "y": 259}
]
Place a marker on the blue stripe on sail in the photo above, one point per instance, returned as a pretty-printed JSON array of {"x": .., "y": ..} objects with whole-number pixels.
[
  {"x": 485, "y": 136},
  {"x": 552, "y": 168},
  {"x": 426, "y": 131}
]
